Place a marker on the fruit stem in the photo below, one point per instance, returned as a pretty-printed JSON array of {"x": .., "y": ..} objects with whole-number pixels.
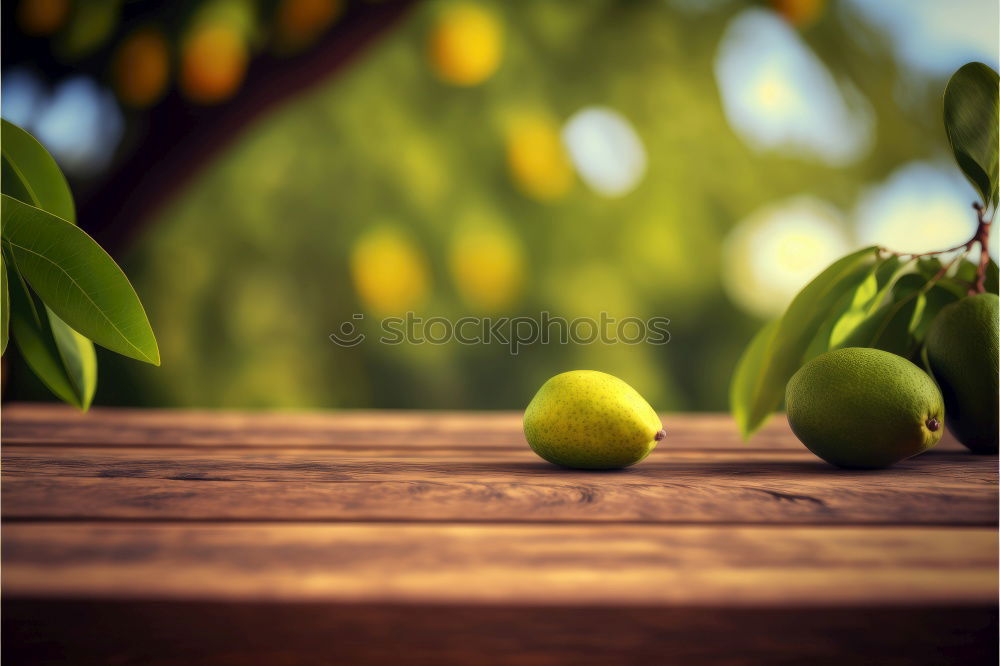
[{"x": 983, "y": 238}]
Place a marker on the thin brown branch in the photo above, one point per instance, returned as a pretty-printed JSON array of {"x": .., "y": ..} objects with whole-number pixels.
[{"x": 983, "y": 238}]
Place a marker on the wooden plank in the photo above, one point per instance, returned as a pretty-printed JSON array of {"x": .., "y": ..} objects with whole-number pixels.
[
  {"x": 710, "y": 551},
  {"x": 306, "y": 464},
  {"x": 25, "y": 424},
  {"x": 610, "y": 565},
  {"x": 711, "y": 487},
  {"x": 195, "y": 633}
]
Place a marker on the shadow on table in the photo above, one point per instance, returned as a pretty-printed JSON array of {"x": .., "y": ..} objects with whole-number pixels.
[{"x": 808, "y": 466}]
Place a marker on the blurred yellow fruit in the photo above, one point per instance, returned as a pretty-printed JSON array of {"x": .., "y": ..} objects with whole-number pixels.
[
  {"x": 466, "y": 44},
  {"x": 537, "y": 160},
  {"x": 487, "y": 265},
  {"x": 141, "y": 67},
  {"x": 299, "y": 22},
  {"x": 389, "y": 272},
  {"x": 800, "y": 13},
  {"x": 213, "y": 63},
  {"x": 42, "y": 17}
]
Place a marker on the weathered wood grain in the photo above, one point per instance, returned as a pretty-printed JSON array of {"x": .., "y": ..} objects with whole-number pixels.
[
  {"x": 55, "y": 424},
  {"x": 297, "y": 464},
  {"x": 525, "y": 564},
  {"x": 686, "y": 487},
  {"x": 24, "y": 424},
  {"x": 200, "y": 537}
]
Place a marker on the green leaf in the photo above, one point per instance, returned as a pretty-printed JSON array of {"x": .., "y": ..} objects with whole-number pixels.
[
  {"x": 33, "y": 336},
  {"x": 820, "y": 343},
  {"x": 4, "y": 307},
  {"x": 901, "y": 325},
  {"x": 748, "y": 370},
  {"x": 78, "y": 358},
  {"x": 62, "y": 358},
  {"x": 992, "y": 282},
  {"x": 955, "y": 287},
  {"x": 31, "y": 175},
  {"x": 971, "y": 120},
  {"x": 937, "y": 298},
  {"x": 77, "y": 280},
  {"x": 945, "y": 292},
  {"x": 855, "y": 305},
  {"x": 759, "y": 381},
  {"x": 855, "y": 311},
  {"x": 891, "y": 327},
  {"x": 869, "y": 297},
  {"x": 929, "y": 266},
  {"x": 925, "y": 363},
  {"x": 909, "y": 285},
  {"x": 966, "y": 271},
  {"x": 964, "y": 276}
]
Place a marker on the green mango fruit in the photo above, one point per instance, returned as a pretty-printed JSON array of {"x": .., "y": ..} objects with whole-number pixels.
[
  {"x": 591, "y": 420},
  {"x": 864, "y": 408},
  {"x": 962, "y": 354}
]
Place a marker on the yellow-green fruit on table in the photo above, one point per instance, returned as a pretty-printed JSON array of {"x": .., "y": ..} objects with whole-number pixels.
[
  {"x": 864, "y": 408},
  {"x": 962, "y": 352},
  {"x": 591, "y": 420}
]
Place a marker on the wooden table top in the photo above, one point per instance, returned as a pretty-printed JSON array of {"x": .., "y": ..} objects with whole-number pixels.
[{"x": 154, "y": 536}]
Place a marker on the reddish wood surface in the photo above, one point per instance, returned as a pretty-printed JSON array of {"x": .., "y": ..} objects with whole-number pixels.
[{"x": 138, "y": 536}]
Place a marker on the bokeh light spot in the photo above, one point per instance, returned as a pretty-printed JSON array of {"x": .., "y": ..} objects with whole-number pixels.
[
  {"x": 42, "y": 17},
  {"x": 536, "y": 158},
  {"x": 934, "y": 36},
  {"x": 299, "y": 23},
  {"x": 800, "y": 13},
  {"x": 606, "y": 150},
  {"x": 921, "y": 207},
  {"x": 466, "y": 44},
  {"x": 487, "y": 264},
  {"x": 141, "y": 67},
  {"x": 213, "y": 62},
  {"x": 773, "y": 253},
  {"x": 389, "y": 272},
  {"x": 23, "y": 95},
  {"x": 81, "y": 126},
  {"x": 92, "y": 24},
  {"x": 778, "y": 95}
]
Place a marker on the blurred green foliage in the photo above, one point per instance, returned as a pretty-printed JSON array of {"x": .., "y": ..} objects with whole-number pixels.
[{"x": 249, "y": 270}]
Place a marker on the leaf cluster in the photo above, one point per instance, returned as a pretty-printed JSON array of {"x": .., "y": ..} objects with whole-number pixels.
[
  {"x": 61, "y": 292},
  {"x": 866, "y": 299},
  {"x": 874, "y": 298}
]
